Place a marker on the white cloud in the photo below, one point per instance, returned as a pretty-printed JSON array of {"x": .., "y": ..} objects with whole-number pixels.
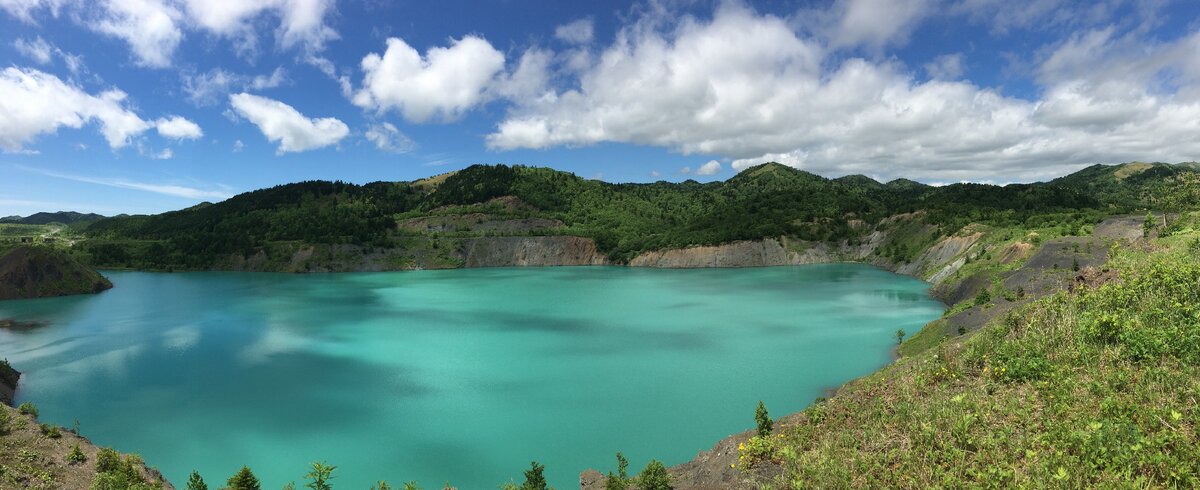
[
  {"x": 43, "y": 53},
  {"x": 178, "y": 128},
  {"x": 654, "y": 174},
  {"x": 38, "y": 49},
  {"x": 282, "y": 123},
  {"x": 749, "y": 88},
  {"x": 868, "y": 23},
  {"x": 710, "y": 168},
  {"x": 154, "y": 29},
  {"x": 238, "y": 146},
  {"x": 23, "y": 9},
  {"x": 945, "y": 67},
  {"x": 150, "y": 27},
  {"x": 34, "y": 103},
  {"x": 530, "y": 78},
  {"x": 577, "y": 32},
  {"x": 213, "y": 86},
  {"x": 301, "y": 22},
  {"x": 443, "y": 84},
  {"x": 387, "y": 138},
  {"x": 276, "y": 79}
]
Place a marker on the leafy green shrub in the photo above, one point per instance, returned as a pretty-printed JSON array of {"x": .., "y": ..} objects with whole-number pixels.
[
  {"x": 51, "y": 431},
  {"x": 983, "y": 297},
  {"x": 1152, "y": 314},
  {"x": 76, "y": 456},
  {"x": 28, "y": 408},
  {"x": 319, "y": 476},
  {"x": 117, "y": 473},
  {"x": 654, "y": 477},
  {"x": 619, "y": 481},
  {"x": 757, "y": 450},
  {"x": 762, "y": 420}
]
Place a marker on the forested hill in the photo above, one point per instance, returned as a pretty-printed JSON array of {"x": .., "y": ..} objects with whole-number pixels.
[
  {"x": 64, "y": 217},
  {"x": 769, "y": 200}
]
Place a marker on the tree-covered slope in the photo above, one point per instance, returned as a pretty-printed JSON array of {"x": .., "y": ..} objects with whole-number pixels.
[
  {"x": 769, "y": 200},
  {"x": 38, "y": 272}
]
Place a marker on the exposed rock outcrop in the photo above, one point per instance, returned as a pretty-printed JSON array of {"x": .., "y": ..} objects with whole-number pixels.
[{"x": 535, "y": 251}]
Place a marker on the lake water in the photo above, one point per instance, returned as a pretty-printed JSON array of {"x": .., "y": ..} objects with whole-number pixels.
[{"x": 460, "y": 375}]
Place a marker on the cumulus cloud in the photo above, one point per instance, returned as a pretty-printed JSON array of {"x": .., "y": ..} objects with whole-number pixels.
[
  {"x": 443, "y": 84},
  {"x": 282, "y": 123},
  {"x": 388, "y": 138},
  {"x": 36, "y": 103},
  {"x": 577, "y": 32},
  {"x": 301, "y": 22},
  {"x": 150, "y": 27},
  {"x": 178, "y": 128},
  {"x": 750, "y": 88},
  {"x": 710, "y": 168}
]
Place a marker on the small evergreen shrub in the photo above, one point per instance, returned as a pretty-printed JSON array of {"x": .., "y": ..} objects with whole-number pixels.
[
  {"x": 244, "y": 479},
  {"x": 195, "y": 482},
  {"x": 76, "y": 456},
  {"x": 654, "y": 477},
  {"x": 762, "y": 420}
]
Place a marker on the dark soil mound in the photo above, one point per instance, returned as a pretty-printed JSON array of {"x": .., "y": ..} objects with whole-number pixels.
[{"x": 39, "y": 272}]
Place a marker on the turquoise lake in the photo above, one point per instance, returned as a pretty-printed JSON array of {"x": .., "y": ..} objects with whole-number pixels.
[{"x": 460, "y": 375}]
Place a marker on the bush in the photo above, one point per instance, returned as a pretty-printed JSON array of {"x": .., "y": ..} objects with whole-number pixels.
[
  {"x": 51, "y": 431},
  {"x": 983, "y": 298},
  {"x": 319, "y": 476},
  {"x": 762, "y": 420},
  {"x": 1152, "y": 314},
  {"x": 76, "y": 456},
  {"x": 244, "y": 479},
  {"x": 619, "y": 481},
  {"x": 116, "y": 473},
  {"x": 654, "y": 477},
  {"x": 195, "y": 482},
  {"x": 756, "y": 450},
  {"x": 28, "y": 408},
  {"x": 534, "y": 479}
]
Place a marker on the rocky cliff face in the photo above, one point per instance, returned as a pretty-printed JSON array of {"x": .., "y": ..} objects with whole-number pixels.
[
  {"x": 934, "y": 264},
  {"x": 535, "y": 251}
]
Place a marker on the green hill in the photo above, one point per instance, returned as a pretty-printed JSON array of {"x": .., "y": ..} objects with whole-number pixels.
[
  {"x": 38, "y": 272},
  {"x": 624, "y": 220}
]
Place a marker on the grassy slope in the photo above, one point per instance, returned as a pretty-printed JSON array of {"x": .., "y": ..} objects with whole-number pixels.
[
  {"x": 33, "y": 456},
  {"x": 1095, "y": 388}
]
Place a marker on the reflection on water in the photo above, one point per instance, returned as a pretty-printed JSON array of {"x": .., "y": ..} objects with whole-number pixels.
[{"x": 461, "y": 375}]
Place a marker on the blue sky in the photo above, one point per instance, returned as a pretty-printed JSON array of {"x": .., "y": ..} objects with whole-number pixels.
[{"x": 144, "y": 106}]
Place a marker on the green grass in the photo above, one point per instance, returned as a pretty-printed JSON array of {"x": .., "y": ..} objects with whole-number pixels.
[{"x": 1095, "y": 389}]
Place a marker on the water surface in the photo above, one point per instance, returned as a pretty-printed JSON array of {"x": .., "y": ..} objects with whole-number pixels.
[{"x": 459, "y": 375}]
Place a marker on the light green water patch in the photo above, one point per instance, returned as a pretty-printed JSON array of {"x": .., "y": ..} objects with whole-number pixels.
[{"x": 459, "y": 375}]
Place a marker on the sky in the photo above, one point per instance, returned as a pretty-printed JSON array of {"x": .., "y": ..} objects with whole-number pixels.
[{"x": 145, "y": 106}]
